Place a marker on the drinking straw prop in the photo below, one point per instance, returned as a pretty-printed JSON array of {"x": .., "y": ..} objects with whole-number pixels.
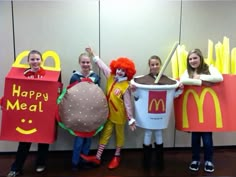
[{"x": 166, "y": 62}]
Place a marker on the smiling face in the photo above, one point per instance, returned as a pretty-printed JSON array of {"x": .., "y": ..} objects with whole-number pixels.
[
  {"x": 24, "y": 131},
  {"x": 154, "y": 65},
  {"x": 34, "y": 61},
  {"x": 85, "y": 64},
  {"x": 120, "y": 72},
  {"x": 194, "y": 60}
]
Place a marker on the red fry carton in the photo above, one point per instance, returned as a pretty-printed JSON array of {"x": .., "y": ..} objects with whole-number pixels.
[{"x": 207, "y": 109}]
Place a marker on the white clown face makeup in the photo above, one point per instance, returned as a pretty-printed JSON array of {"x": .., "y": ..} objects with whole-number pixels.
[{"x": 120, "y": 72}]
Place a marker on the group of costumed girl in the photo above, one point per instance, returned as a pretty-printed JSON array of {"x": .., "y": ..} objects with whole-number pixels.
[{"x": 120, "y": 108}]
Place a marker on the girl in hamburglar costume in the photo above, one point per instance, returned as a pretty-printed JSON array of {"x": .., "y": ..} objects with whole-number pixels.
[{"x": 119, "y": 74}]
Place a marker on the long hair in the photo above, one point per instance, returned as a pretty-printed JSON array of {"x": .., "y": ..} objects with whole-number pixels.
[
  {"x": 203, "y": 68},
  {"x": 123, "y": 63}
]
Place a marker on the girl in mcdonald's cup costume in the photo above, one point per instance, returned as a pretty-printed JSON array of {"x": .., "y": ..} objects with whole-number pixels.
[
  {"x": 35, "y": 71},
  {"x": 154, "y": 64},
  {"x": 119, "y": 102},
  {"x": 199, "y": 73}
]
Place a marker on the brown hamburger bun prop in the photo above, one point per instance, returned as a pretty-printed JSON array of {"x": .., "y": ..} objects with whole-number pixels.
[{"x": 83, "y": 109}]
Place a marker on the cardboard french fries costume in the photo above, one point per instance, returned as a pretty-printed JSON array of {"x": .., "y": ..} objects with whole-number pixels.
[
  {"x": 204, "y": 108},
  {"x": 28, "y": 109}
]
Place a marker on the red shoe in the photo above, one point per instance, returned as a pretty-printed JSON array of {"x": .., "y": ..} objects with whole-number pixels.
[
  {"x": 114, "y": 163},
  {"x": 92, "y": 159}
]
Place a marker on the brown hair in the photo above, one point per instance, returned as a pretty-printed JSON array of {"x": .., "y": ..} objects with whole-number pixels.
[
  {"x": 154, "y": 57},
  {"x": 203, "y": 67},
  {"x": 34, "y": 52}
]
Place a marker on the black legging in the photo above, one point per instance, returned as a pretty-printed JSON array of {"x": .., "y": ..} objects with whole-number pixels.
[{"x": 23, "y": 151}]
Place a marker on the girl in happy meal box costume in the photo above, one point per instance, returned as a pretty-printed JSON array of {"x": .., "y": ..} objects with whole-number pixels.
[
  {"x": 118, "y": 95},
  {"x": 35, "y": 71}
]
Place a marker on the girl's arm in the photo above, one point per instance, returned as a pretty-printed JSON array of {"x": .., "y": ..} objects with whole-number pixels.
[
  {"x": 105, "y": 69},
  {"x": 214, "y": 77},
  {"x": 189, "y": 81},
  {"x": 129, "y": 109}
]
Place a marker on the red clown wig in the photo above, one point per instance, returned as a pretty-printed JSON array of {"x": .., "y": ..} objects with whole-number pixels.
[{"x": 123, "y": 63}]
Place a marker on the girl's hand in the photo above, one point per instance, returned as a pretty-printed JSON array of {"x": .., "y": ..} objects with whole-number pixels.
[
  {"x": 90, "y": 51},
  {"x": 181, "y": 86},
  {"x": 132, "y": 126},
  {"x": 196, "y": 76},
  {"x": 206, "y": 83},
  {"x": 132, "y": 87}
]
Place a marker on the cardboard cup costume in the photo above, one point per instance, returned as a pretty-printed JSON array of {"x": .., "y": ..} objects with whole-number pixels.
[
  {"x": 153, "y": 104},
  {"x": 29, "y": 105}
]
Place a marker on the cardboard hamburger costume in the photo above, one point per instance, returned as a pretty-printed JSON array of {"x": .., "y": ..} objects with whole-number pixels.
[{"x": 83, "y": 108}]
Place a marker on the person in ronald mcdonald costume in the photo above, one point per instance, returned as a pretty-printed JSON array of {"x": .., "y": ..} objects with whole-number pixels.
[{"x": 118, "y": 95}]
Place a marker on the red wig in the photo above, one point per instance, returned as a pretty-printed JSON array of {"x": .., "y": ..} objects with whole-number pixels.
[{"x": 123, "y": 63}]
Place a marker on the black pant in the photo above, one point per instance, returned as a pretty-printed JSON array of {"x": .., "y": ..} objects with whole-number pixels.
[
  {"x": 23, "y": 151},
  {"x": 207, "y": 144}
]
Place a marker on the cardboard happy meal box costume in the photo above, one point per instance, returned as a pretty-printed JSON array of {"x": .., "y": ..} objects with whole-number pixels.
[{"x": 29, "y": 105}]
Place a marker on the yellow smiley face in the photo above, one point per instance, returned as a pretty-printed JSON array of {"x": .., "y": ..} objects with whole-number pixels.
[{"x": 23, "y": 131}]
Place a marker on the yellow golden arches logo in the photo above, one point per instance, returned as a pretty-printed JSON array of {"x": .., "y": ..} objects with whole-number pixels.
[
  {"x": 199, "y": 101},
  {"x": 156, "y": 104},
  {"x": 45, "y": 55}
]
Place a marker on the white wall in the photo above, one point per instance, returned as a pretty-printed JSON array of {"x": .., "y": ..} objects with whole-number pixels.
[
  {"x": 6, "y": 54},
  {"x": 132, "y": 28}
]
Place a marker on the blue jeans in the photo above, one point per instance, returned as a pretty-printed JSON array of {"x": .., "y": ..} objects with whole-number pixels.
[
  {"x": 207, "y": 144},
  {"x": 81, "y": 145}
]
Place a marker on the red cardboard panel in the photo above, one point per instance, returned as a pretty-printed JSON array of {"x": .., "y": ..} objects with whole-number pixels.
[
  {"x": 202, "y": 108},
  {"x": 29, "y": 106}
]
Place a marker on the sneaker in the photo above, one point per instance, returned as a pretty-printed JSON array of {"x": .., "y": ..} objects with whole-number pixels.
[
  {"x": 194, "y": 166},
  {"x": 40, "y": 169},
  {"x": 13, "y": 173},
  {"x": 209, "y": 167}
]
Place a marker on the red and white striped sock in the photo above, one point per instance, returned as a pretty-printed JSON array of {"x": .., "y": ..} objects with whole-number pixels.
[
  {"x": 118, "y": 149},
  {"x": 100, "y": 151}
]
